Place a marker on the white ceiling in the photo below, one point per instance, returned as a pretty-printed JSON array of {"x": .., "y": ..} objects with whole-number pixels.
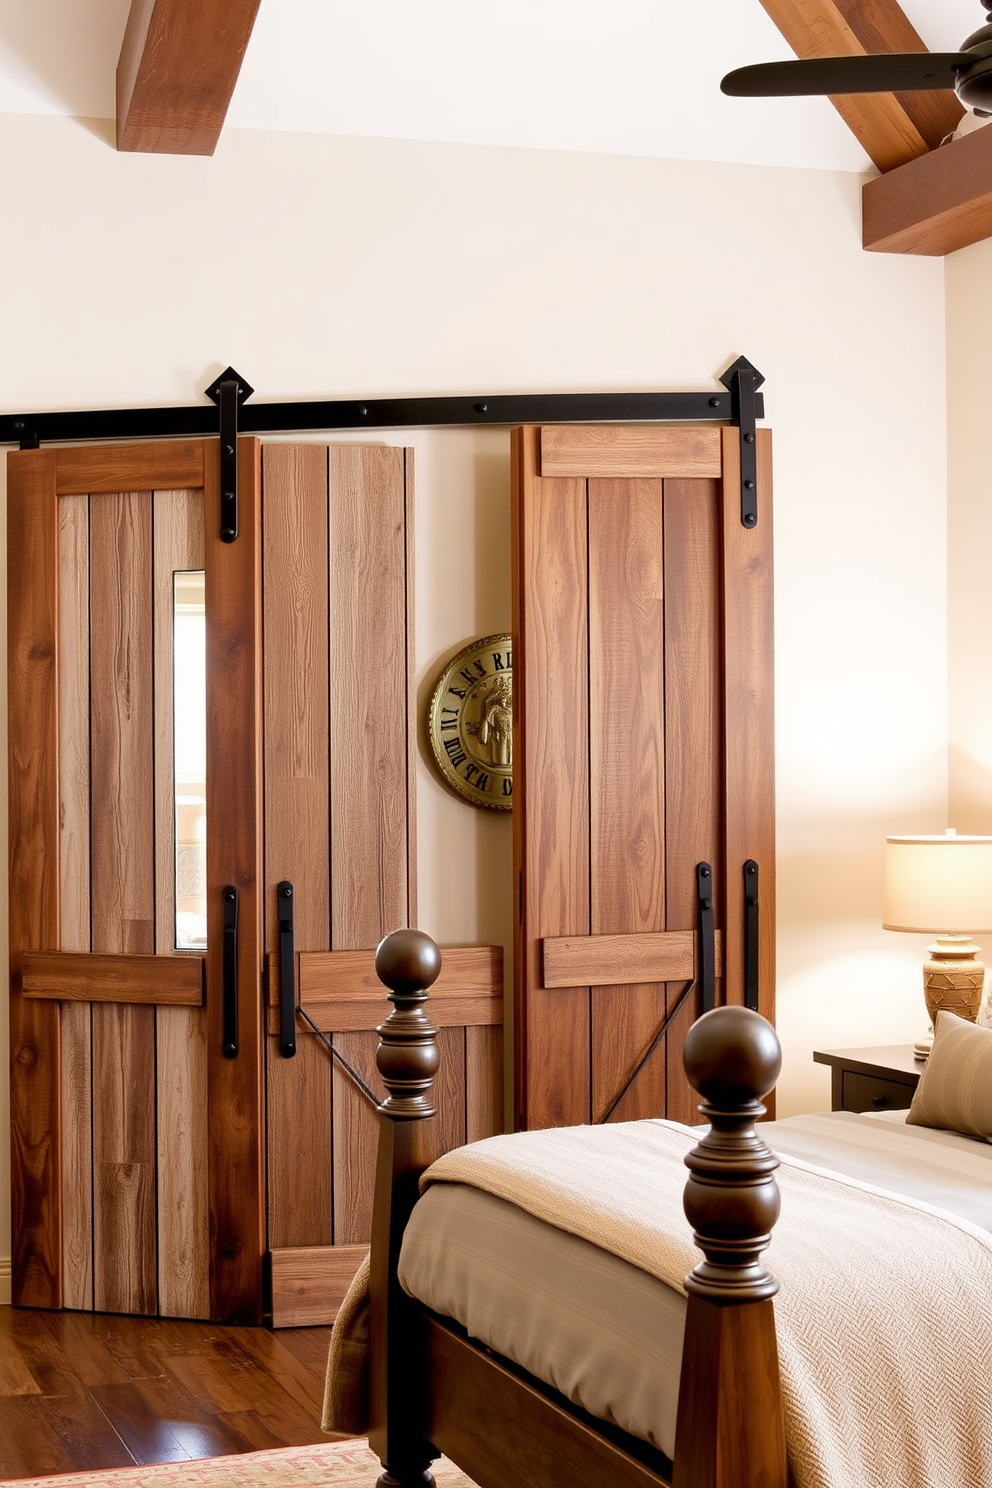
[{"x": 635, "y": 77}]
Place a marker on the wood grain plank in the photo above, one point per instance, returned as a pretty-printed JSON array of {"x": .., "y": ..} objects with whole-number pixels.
[
  {"x": 933, "y": 205},
  {"x": 469, "y": 971},
  {"x": 33, "y": 861},
  {"x": 613, "y": 960},
  {"x": 175, "y": 980},
  {"x": 892, "y": 128},
  {"x": 74, "y": 897},
  {"x": 551, "y": 785},
  {"x": 124, "y": 1220},
  {"x": 748, "y": 711},
  {"x": 309, "y": 1282},
  {"x": 355, "y": 1127},
  {"x": 484, "y": 1115},
  {"x": 341, "y": 992},
  {"x": 448, "y": 1127},
  {"x": 160, "y": 465},
  {"x": 235, "y": 1119},
  {"x": 297, "y": 822},
  {"x": 371, "y": 791},
  {"x": 122, "y": 849},
  {"x": 176, "y": 73},
  {"x": 694, "y": 735},
  {"x": 363, "y": 1013},
  {"x": 627, "y": 779},
  {"x": 183, "y": 1163},
  {"x": 616, "y": 452},
  {"x": 180, "y": 1032},
  {"x": 121, "y": 741}
]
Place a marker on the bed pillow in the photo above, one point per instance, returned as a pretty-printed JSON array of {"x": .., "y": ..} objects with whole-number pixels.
[{"x": 955, "y": 1089}]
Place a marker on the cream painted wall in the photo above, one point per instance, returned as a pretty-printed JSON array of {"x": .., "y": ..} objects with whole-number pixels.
[
  {"x": 969, "y": 336},
  {"x": 322, "y": 266}
]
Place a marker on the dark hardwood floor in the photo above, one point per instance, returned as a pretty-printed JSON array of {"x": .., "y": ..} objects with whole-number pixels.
[{"x": 90, "y": 1390}]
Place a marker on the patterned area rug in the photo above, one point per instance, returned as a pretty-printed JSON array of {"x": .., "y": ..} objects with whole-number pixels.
[{"x": 340, "y": 1464}]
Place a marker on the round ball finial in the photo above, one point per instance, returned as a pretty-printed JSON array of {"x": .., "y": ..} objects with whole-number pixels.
[
  {"x": 732, "y": 1056},
  {"x": 407, "y": 961}
]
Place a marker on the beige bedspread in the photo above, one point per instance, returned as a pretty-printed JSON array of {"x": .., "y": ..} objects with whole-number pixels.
[{"x": 883, "y": 1314}]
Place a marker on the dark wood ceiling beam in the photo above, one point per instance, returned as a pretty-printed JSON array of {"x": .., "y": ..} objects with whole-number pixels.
[
  {"x": 891, "y": 127},
  {"x": 178, "y": 66},
  {"x": 933, "y": 205}
]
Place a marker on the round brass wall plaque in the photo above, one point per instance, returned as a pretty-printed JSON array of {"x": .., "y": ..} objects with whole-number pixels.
[{"x": 470, "y": 723}]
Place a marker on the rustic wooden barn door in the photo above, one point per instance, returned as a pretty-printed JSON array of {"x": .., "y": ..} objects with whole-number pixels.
[
  {"x": 340, "y": 740},
  {"x": 643, "y": 718},
  {"x": 144, "y": 1142},
  {"x": 137, "y": 1169}
]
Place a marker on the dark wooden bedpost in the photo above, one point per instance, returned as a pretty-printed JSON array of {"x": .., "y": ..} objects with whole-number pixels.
[
  {"x": 729, "y": 1432},
  {"x": 407, "y": 962}
]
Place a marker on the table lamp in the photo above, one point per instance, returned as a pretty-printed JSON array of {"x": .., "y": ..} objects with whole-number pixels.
[{"x": 942, "y": 886}]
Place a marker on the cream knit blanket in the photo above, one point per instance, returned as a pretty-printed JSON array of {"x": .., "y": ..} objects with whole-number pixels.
[{"x": 883, "y": 1317}]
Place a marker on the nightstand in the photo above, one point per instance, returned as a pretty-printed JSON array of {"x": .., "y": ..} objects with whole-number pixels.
[{"x": 881, "y": 1079}]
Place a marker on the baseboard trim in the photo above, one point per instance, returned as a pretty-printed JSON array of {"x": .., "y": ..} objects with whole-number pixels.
[{"x": 5, "y": 1281}]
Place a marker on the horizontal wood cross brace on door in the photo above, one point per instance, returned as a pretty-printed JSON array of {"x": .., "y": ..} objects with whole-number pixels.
[
  {"x": 175, "y": 981},
  {"x": 340, "y": 992},
  {"x": 618, "y": 960}
]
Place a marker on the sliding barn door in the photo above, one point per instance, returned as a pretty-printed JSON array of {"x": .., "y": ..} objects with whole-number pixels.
[
  {"x": 136, "y": 1089},
  {"x": 643, "y": 749},
  {"x": 340, "y": 864}
]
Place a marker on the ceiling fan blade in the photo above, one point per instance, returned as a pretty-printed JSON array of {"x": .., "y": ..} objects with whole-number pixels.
[{"x": 890, "y": 72}]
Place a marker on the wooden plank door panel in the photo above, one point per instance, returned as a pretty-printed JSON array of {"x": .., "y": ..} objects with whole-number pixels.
[
  {"x": 122, "y": 897},
  {"x": 33, "y": 767},
  {"x": 551, "y": 742},
  {"x": 627, "y": 774},
  {"x": 109, "y": 1092},
  {"x": 642, "y": 614},
  {"x": 235, "y": 1090},
  {"x": 693, "y": 720},
  {"x": 340, "y": 732}
]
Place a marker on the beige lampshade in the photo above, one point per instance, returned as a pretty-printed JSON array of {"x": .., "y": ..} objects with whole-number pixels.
[{"x": 938, "y": 885}]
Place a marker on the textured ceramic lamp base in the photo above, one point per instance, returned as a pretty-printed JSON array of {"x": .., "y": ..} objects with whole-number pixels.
[{"x": 953, "y": 979}]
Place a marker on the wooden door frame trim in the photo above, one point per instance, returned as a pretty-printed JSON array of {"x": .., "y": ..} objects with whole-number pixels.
[{"x": 33, "y": 765}]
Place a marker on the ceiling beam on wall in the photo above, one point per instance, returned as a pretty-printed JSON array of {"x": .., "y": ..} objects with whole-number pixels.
[
  {"x": 176, "y": 74},
  {"x": 892, "y": 127},
  {"x": 933, "y": 205}
]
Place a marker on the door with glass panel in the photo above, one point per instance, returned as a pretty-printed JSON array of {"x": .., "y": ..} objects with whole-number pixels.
[
  {"x": 175, "y": 1150},
  {"x": 135, "y": 933}
]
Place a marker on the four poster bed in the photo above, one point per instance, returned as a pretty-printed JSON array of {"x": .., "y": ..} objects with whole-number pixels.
[{"x": 530, "y": 1316}]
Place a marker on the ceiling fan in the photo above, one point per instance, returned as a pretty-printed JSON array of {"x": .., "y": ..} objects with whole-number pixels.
[{"x": 968, "y": 72}]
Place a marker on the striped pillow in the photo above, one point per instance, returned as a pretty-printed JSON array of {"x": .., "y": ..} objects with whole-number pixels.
[{"x": 955, "y": 1089}]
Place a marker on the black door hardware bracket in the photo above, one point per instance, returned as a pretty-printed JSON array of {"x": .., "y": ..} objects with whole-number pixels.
[
  {"x": 706, "y": 963},
  {"x": 751, "y": 934},
  {"x": 229, "y": 391},
  {"x": 229, "y": 921},
  {"x": 287, "y": 970},
  {"x": 743, "y": 380}
]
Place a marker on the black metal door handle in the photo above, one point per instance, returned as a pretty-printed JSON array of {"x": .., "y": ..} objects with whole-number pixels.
[
  {"x": 706, "y": 974},
  {"x": 287, "y": 971},
  {"x": 751, "y": 935},
  {"x": 229, "y": 896}
]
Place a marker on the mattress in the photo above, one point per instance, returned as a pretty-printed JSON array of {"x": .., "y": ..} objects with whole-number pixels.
[{"x": 601, "y": 1331}]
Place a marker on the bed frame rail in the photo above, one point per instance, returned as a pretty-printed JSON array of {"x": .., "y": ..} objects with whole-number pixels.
[{"x": 729, "y": 1431}]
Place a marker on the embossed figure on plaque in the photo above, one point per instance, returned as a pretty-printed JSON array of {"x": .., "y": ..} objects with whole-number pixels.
[{"x": 471, "y": 723}]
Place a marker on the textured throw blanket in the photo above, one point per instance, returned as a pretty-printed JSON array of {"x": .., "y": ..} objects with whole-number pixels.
[{"x": 883, "y": 1317}]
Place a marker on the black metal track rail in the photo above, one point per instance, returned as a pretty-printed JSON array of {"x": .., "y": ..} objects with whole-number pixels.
[{"x": 31, "y": 429}]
